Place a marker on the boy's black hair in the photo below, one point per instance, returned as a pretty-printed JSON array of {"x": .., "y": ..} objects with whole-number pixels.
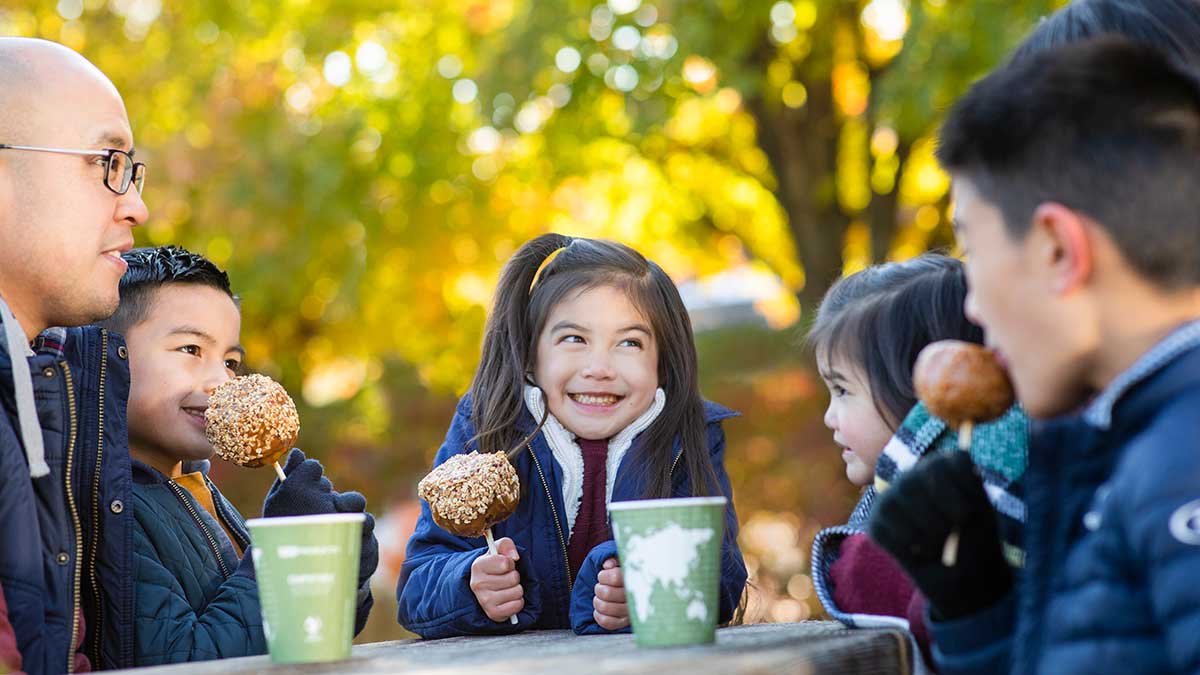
[
  {"x": 1171, "y": 26},
  {"x": 879, "y": 319},
  {"x": 1106, "y": 127},
  {"x": 153, "y": 267}
]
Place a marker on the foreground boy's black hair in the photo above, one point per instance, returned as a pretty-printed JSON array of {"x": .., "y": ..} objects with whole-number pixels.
[
  {"x": 1171, "y": 26},
  {"x": 880, "y": 318},
  {"x": 530, "y": 288},
  {"x": 153, "y": 267},
  {"x": 1108, "y": 128}
]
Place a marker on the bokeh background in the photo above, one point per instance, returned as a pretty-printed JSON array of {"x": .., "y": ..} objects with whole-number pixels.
[{"x": 363, "y": 168}]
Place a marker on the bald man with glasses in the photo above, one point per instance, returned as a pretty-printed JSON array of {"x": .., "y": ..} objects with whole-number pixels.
[{"x": 70, "y": 195}]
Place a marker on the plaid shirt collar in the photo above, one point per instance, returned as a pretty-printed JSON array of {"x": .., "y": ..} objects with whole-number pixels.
[
  {"x": 50, "y": 342},
  {"x": 1183, "y": 339}
]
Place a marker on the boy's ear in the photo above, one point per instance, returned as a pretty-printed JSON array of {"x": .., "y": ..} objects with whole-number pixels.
[{"x": 1063, "y": 246}]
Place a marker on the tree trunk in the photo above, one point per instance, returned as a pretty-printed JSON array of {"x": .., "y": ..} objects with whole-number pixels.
[
  {"x": 883, "y": 212},
  {"x": 801, "y": 145}
]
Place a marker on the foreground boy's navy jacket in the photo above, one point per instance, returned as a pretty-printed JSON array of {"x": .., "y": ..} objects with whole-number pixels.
[
  {"x": 1112, "y": 575},
  {"x": 435, "y": 599},
  {"x": 65, "y": 537},
  {"x": 195, "y": 599}
]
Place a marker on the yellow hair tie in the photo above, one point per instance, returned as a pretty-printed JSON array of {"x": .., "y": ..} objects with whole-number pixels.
[{"x": 538, "y": 274}]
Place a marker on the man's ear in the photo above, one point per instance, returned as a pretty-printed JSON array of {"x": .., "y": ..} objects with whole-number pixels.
[{"x": 1062, "y": 246}]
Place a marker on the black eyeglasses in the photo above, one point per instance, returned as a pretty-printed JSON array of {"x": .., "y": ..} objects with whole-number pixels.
[{"x": 120, "y": 171}]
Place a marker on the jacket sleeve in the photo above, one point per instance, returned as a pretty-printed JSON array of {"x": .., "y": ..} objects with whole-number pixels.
[
  {"x": 434, "y": 594},
  {"x": 168, "y": 630},
  {"x": 1157, "y": 494},
  {"x": 583, "y": 622},
  {"x": 979, "y": 643},
  {"x": 365, "y": 601}
]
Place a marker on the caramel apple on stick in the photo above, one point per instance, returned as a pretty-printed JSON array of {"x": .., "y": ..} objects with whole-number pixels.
[
  {"x": 964, "y": 384},
  {"x": 251, "y": 421},
  {"x": 469, "y": 493}
]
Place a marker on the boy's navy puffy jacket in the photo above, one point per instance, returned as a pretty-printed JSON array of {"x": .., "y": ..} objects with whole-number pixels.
[
  {"x": 1112, "y": 574},
  {"x": 65, "y": 538},
  {"x": 435, "y": 599}
]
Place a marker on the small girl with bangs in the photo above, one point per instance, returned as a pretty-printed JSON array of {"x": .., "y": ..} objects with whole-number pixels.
[
  {"x": 869, "y": 329},
  {"x": 589, "y": 382}
]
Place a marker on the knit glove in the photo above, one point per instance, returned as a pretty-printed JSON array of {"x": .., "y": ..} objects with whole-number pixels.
[
  {"x": 355, "y": 502},
  {"x": 912, "y": 519},
  {"x": 306, "y": 491}
]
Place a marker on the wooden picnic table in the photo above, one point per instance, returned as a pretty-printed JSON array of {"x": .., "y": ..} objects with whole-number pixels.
[{"x": 807, "y": 647}]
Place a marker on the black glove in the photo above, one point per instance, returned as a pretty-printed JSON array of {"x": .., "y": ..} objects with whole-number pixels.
[
  {"x": 306, "y": 491},
  {"x": 354, "y": 502},
  {"x": 913, "y": 518}
]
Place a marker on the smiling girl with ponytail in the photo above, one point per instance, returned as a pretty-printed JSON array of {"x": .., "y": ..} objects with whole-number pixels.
[{"x": 588, "y": 382}]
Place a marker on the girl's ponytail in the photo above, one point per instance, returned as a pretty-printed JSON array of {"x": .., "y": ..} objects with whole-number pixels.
[{"x": 497, "y": 392}]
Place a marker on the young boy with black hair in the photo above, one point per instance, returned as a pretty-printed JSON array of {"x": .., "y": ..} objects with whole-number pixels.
[
  {"x": 195, "y": 594},
  {"x": 1077, "y": 190}
]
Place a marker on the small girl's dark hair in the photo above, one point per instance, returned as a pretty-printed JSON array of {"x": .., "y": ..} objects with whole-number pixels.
[
  {"x": 882, "y": 317},
  {"x": 544, "y": 272}
]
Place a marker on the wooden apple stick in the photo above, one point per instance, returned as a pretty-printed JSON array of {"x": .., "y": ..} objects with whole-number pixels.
[
  {"x": 950, "y": 548},
  {"x": 279, "y": 472},
  {"x": 492, "y": 548}
]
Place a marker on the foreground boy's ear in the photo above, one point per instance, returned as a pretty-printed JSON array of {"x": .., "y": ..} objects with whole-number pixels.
[{"x": 1065, "y": 246}]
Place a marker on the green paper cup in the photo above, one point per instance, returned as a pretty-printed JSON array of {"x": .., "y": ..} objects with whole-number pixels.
[
  {"x": 307, "y": 568},
  {"x": 670, "y": 552}
]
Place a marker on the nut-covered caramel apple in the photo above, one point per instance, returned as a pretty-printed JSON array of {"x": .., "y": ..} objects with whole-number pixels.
[
  {"x": 251, "y": 421},
  {"x": 469, "y": 493}
]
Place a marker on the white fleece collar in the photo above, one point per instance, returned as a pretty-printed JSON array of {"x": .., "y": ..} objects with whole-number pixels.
[
  {"x": 570, "y": 457},
  {"x": 27, "y": 417}
]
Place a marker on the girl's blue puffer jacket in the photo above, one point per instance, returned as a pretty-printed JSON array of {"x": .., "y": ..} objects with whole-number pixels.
[{"x": 435, "y": 599}]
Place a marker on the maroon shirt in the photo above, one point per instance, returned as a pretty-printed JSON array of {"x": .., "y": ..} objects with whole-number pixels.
[
  {"x": 866, "y": 580},
  {"x": 591, "y": 524}
]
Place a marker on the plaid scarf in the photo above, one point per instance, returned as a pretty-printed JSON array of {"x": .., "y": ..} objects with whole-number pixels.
[{"x": 1000, "y": 450}]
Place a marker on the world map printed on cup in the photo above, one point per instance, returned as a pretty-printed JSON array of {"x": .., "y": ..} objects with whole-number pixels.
[{"x": 670, "y": 552}]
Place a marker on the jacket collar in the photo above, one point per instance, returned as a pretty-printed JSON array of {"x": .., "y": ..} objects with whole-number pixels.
[
  {"x": 144, "y": 474},
  {"x": 1099, "y": 413},
  {"x": 51, "y": 342}
]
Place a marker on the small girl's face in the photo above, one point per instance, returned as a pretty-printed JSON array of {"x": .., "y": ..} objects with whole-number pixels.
[
  {"x": 857, "y": 425},
  {"x": 597, "y": 363}
]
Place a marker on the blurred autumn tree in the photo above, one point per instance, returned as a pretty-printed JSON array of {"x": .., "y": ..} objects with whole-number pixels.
[{"x": 363, "y": 167}]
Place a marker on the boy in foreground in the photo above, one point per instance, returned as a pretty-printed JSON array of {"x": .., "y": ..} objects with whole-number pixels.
[
  {"x": 195, "y": 593},
  {"x": 1075, "y": 182}
]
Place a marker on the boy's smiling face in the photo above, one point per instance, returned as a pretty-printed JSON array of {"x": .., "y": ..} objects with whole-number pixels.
[
  {"x": 187, "y": 345},
  {"x": 1030, "y": 297}
]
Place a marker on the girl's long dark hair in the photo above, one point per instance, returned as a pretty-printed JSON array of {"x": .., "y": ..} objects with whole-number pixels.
[
  {"x": 882, "y": 317},
  {"x": 519, "y": 314}
]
